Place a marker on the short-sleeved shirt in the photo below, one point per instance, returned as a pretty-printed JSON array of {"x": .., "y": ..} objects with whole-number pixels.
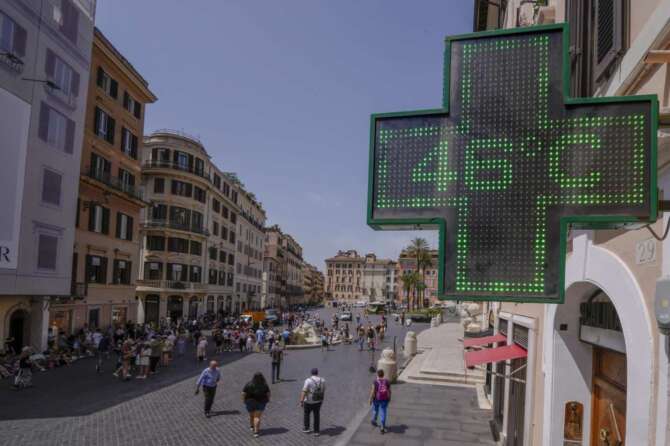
[
  {"x": 276, "y": 352},
  {"x": 310, "y": 384},
  {"x": 256, "y": 393}
]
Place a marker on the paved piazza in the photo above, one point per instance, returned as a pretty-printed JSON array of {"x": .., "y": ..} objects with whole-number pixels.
[{"x": 76, "y": 406}]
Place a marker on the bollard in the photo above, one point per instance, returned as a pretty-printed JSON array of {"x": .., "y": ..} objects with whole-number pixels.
[
  {"x": 410, "y": 344},
  {"x": 433, "y": 322},
  {"x": 388, "y": 364}
]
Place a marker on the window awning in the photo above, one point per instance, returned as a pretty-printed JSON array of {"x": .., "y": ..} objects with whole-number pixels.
[
  {"x": 476, "y": 342},
  {"x": 494, "y": 355}
]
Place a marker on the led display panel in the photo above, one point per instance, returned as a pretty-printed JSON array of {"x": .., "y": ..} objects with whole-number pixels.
[{"x": 509, "y": 163}]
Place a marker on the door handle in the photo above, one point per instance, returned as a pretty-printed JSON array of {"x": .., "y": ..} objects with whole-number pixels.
[
  {"x": 605, "y": 437},
  {"x": 619, "y": 440}
]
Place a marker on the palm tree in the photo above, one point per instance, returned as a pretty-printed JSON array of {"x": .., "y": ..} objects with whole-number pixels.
[
  {"x": 425, "y": 262},
  {"x": 417, "y": 248},
  {"x": 408, "y": 283}
]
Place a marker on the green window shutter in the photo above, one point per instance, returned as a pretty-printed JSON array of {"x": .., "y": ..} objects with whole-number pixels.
[{"x": 609, "y": 35}]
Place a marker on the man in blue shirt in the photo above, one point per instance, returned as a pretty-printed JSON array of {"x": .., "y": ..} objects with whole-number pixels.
[{"x": 209, "y": 378}]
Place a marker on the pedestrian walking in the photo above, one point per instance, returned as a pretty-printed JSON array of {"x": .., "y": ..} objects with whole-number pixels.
[
  {"x": 277, "y": 355},
  {"x": 311, "y": 399},
  {"x": 208, "y": 380},
  {"x": 102, "y": 349},
  {"x": 256, "y": 395},
  {"x": 201, "y": 351},
  {"x": 324, "y": 340},
  {"x": 380, "y": 397},
  {"x": 181, "y": 344}
]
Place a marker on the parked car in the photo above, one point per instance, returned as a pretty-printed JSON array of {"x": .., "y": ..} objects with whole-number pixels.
[{"x": 346, "y": 316}]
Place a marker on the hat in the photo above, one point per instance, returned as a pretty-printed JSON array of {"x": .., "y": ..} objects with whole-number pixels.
[{"x": 315, "y": 371}]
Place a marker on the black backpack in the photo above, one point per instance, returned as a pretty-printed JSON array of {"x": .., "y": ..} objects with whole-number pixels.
[{"x": 318, "y": 392}]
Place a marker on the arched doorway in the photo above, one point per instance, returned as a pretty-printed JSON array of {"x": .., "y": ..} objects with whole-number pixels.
[
  {"x": 19, "y": 329},
  {"x": 151, "y": 308},
  {"x": 598, "y": 351},
  {"x": 175, "y": 307}
]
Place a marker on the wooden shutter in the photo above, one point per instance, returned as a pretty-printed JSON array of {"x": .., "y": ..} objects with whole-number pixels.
[
  {"x": 75, "y": 84},
  {"x": 105, "y": 221},
  {"x": 138, "y": 110},
  {"x": 113, "y": 88},
  {"x": 91, "y": 219},
  {"x": 609, "y": 35},
  {"x": 103, "y": 270},
  {"x": 20, "y": 37},
  {"x": 96, "y": 120},
  {"x": 50, "y": 64},
  {"x": 110, "y": 129},
  {"x": 87, "y": 269},
  {"x": 125, "y": 100},
  {"x": 70, "y": 20},
  {"x": 69, "y": 136},
  {"x": 129, "y": 229},
  {"x": 101, "y": 77},
  {"x": 133, "y": 146},
  {"x": 43, "y": 130},
  {"x": 118, "y": 225}
]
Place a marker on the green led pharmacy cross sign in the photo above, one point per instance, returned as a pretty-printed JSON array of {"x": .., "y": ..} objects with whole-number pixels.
[{"x": 510, "y": 163}]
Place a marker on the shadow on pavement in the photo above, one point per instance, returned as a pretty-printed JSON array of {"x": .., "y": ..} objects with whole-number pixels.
[
  {"x": 332, "y": 431},
  {"x": 216, "y": 413},
  {"x": 274, "y": 431},
  {"x": 78, "y": 390},
  {"x": 398, "y": 429}
]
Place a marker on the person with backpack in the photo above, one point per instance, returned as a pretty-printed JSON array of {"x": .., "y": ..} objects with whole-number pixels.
[
  {"x": 311, "y": 399},
  {"x": 277, "y": 355},
  {"x": 380, "y": 396}
]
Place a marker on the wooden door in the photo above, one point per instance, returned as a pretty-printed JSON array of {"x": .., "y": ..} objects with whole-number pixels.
[{"x": 608, "y": 420}]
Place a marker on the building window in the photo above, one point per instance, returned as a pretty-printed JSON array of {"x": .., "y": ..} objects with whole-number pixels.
[
  {"x": 159, "y": 212},
  {"x": 212, "y": 253},
  {"x": 126, "y": 180},
  {"x": 179, "y": 245},
  {"x": 197, "y": 221},
  {"x": 224, "y": 233},
  {"x": 98, "y": 219},
  {"x": 155, "y": 243},
  {"x": 100, "y": 168},
  {"x": 47, "y": 252},
  {"x": 222, "y": 278},
  {"x": 229, "y": 279},
  {"x": 69, "y": 24},
  {"x": 239, "y": 268},
  {"x": 181, "y": 160},
  {"x": 231, "y": 259},
  {"x": 215, "y": 228},
  {"x": 104, "y": 125},
  {"x": 56, "y": 129},
  {"x": 196, "y": 274},
  {"x": 124, "y": 227},
  {"x": 199, "y": 194},
  {"x": 128, "y": 143},
  {"x": 132, "y": 105},
  {"x": 96, "y": 269},
  {"x": 177, "y": 272},
  {"x": 182, "y": 189},
  {"x": 212, "y": 277},
  {"x": 159, "y": 185},
  {"x": 226, "y": 189},
  {"x": 224, "y": 212},
  {"x": 12, "y": 37},
  {"x": 216, "y": 205},
  {"x": 234, "y": 197},
  {"x": 108, "y": 85},
  {"x": 153, "y": 270},
  {"x": 222, "y": 256},
  {"x": 217, "y": 181},
  {"x": 121, "y": 272},
  {"x": 180, "y": 217},
  {"x": 196, "y": 248},
  {"x": 51, "y": 186},
  {"x": 62, "y": 75},
  {"x": 232, "y": 237},
  {"x": 233, "y": 217}
]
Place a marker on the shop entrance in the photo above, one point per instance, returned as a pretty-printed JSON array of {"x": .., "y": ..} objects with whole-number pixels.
[
  {"x": 175, "y": 307},
  {"x": 608, "y": 427},
  {"x": 19, "y": 326},
  {"x": 151, "y": 307}
]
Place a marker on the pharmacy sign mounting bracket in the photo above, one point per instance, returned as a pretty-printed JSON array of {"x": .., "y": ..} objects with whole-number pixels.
[{"x": 509, "y": 163}]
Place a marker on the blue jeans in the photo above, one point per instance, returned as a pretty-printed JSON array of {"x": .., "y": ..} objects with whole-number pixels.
[{"x": 380, "y": 406}]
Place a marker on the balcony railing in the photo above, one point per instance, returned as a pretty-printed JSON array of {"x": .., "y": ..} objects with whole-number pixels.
[
  {"x": 175, "y": 225},
  {"x": 166, "y": 164},
  {"x": 113, "y": 182},
  {"x": 171, "y": 284}
]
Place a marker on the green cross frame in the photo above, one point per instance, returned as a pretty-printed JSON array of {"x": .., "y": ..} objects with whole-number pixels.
[{"x": 513, "y": 166}]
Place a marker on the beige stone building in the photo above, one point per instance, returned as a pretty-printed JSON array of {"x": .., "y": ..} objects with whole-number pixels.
[
  {"x": 351, "y": 277},
  {"x": 189, "y": 232},
  {"x": 282, "y": 270},
  {"x": 596, "y": 370},
  {"x": 107, "y": 242},
  {"x": 249, "y": 250},
  {"x": 312, "y": 284}
]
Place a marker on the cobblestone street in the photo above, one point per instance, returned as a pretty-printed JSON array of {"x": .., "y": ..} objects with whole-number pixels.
[{"x": 74, "y": 406}]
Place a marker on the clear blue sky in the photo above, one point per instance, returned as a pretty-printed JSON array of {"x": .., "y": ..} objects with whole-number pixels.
[{"x": 281, "y": 91}]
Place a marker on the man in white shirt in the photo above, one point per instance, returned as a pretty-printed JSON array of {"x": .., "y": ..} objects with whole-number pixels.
[{"x": 311, "y": 398}]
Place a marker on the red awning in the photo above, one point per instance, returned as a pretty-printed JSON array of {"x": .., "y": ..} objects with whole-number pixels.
[
  {"x": 494, "y": 355},
  {"x": 475, "y": 342}
]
